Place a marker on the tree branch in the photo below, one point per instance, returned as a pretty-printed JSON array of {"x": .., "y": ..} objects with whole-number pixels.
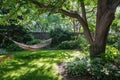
[
  {"x": 83, "y": 11},
  {"x": 41, "y": 5},
  {"x": 49, "y": 7},
  {"x": 72, "y": 14},
  {"x": 116, "y": 3}
]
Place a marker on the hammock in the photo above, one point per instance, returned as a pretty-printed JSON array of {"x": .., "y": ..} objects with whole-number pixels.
[{"x": 33, "y": 47}]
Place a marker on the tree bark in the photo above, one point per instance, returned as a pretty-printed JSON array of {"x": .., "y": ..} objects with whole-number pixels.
[
  {"x": 96, "y": 49},
  {"x": 105, "y": 16}
]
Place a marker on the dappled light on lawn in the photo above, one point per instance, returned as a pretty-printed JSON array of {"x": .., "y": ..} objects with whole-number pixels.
[{"x": 39, "y": 65}]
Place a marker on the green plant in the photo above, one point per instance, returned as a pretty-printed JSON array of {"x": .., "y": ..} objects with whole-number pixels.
[
  {"x": 77, "y": 67},
  {"x": 68, "y": 45},
  {"x": 114, "y": 40},
  {"x": 83, "y": 44},
  {"x": 103, "y": 70},
  {"x": 34, "y": 41},
  {"x": 117, "y": 43},
  {"x": 15, "y": 32},
  {"x": 111, "y": 54},
  {"x": 59, "y": 35},
  {"x": 96, "y": 68},
  {"x": 13, "y": 47}
]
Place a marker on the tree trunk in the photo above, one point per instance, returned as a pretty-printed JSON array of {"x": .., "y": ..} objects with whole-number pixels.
[
  {"x": 96, "y": 49},
  {"x": 105, "y": 16}
]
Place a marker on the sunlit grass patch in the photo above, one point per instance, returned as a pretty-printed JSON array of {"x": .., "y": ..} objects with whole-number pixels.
[{"x": 39, "y": 65}]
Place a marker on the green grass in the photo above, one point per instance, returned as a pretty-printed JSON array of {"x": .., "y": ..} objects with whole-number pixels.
[{"x": 39, "y": 65}]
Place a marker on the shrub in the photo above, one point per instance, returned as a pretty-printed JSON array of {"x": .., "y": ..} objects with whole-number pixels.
[
  {"x": 114, "y": 40},
  {"x": 81, "y": 41},
  {"x": 59, "y": 35},
  {"x": 111, "y": 54},
  {"x": 117, "y": 43},
  {"x": 34, "y": 41},
  {"x": 68, "y": 45},
  {"x": 16, "y": 32},
  {"x": 101, "y": 70},
  {"x": 13, "y": 47},
  {"x": 77, "y": 67},
  {"x": 96, "y": 68}
]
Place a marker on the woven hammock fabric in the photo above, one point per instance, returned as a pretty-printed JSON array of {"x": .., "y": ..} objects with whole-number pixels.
[{"x": 33, "y": 47}]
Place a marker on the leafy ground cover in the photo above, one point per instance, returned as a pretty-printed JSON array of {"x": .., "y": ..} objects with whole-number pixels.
[{"x": 39, "y": 65}]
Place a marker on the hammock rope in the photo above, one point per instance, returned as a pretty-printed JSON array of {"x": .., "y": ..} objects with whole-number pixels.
[{"x": 31, "y": 47}]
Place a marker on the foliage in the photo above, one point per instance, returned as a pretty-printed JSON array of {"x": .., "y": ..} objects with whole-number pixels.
[
  {"x": 117, "y": 44},
  {"x": 104, "y": 70},
  {"x": 111, "y": 54},
  {"x": 13, "y": 47},
  {"x": 71, "y": 8},
  {"x": 59, "y": 34},
  {"x": 77, "y": 43},
  {"x": 34, "y": 41},
  {"x": 83, "y": 44},
  {"x": 77, "y": 67},
  {"x": 114, "y": 40},
  {"x": 15, "y": 32},
  {"x": 100, "y": 68},
  {"x": 68, "y": 45}
]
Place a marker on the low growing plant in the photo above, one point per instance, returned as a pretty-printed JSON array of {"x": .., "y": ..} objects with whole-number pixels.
[
  {"x": 13, "y": 47},
  {"x": 100, "y": 68},
  {"x": 68, "y": 45},
  {"x": 34, "y": 41}
]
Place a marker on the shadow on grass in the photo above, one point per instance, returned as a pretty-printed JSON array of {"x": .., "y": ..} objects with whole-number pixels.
[
  {"x": 42, "y": 73},
  {"x": 39, "y": 65}
]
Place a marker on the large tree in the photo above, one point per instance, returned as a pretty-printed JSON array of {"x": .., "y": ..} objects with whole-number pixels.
[{"x": 105, "y": 12}]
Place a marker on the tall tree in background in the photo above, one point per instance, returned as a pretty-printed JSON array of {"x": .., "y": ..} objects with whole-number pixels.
[{"x": 105, "y": 13}]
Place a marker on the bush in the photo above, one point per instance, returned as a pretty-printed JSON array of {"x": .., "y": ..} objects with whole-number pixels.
[
  {"x": 111, "y": 54},
  {"x": 114, "y": 40},
  {"x": 80, "y": 43},
  {"x": 117, "y": 43},
  {"x": 13, "y": 47},
  {"x": 15, "y": 32},
  {"x": 59, "y": 35},
  {"x": 101, "y": 68},
  {"x": 83, "y": 44},
  {"x": 34, "y": 41},
  {"x": 68, "y": 45},
  {"x": 77, "y": 67}
]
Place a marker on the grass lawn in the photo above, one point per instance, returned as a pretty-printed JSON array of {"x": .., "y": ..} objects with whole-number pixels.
[{"x": 39, "y": 65}]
